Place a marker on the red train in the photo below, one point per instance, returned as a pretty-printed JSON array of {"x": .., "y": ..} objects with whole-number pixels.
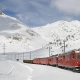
[
  {"x": 37, "y": 61},
  {"x": 68, "y": 60},
  {"x": 53, "y": 60}
]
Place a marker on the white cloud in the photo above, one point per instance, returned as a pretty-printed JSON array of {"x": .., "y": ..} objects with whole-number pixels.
[
  {"x": 28, "y": 17},
  {"x": 40, "y": 12},
  {"x": 67, "y": 6}
]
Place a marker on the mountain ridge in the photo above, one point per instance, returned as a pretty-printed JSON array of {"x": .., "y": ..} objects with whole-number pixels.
[
  {"x": 15, "y": 33},
  {"x": 21, "y": 38}
]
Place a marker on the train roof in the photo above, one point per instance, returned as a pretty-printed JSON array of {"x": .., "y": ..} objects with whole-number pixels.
[
  {"x": 70, "y": 51},
  {"x": 74, "y": 50},
  {"x": 54, "y": 55}
]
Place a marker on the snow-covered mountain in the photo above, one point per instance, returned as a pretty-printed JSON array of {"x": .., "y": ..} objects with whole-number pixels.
[
  {"x": 60, "y": 31},
  {"x": 16, "y": 37}
]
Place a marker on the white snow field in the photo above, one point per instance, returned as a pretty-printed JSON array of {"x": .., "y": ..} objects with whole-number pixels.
[
  {"x": 45, "y": 72},
  {"x": 12, "y": 70}
]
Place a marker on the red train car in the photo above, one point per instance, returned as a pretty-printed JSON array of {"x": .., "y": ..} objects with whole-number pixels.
[
  {"x": 72, "y": 60},
  {"x": 53, "y": 60},
  {"x": 36, "y": 61},
  {"x": 45, "y": 60},
  {"x": 61, "y": 60}
]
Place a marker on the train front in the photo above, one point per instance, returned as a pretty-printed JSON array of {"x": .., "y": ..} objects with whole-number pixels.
[{"x": 77, "y": 61}]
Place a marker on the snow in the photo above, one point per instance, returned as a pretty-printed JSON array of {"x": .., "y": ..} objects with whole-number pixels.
[
  {"x": 18, "y": 37},
  {"x": 12, "y": 70},
  {"x": 3, "y": 70},
  {"x": 45, "y": 72},
  {"x": 22, "y": 71}
]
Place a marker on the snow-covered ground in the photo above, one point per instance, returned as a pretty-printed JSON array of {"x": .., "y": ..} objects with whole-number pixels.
[
  {"x": 44, "y": 72},
  {"x": 12, "y": 70}
]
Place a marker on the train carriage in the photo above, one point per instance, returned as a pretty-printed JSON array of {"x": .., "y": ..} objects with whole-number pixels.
[
  {"x": 53, "y": 60},
  {"x": 28, "y": 61},
  {"x": 37, "y": 61},
  {"x": 45, "y": 60},
  {"x": 72, "y": 60},
  {"x": 61, "y": 60}
]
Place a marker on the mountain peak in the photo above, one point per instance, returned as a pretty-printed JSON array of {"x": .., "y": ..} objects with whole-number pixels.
[{"x": 1, "y": 13}]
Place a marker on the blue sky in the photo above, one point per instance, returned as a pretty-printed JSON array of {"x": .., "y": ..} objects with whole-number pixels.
[{"x": 41, "y": 12}]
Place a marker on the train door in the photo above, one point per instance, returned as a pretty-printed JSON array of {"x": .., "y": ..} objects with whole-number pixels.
[
  {"x": 72, "y": 61},
  {"x": 63, "y": 60}
]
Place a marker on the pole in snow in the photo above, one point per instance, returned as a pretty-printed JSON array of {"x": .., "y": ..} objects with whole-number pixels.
[
  {"x": 23, "y": 56},
  {"x": 49, "y": 50},
  {"x": 30, "y": 54},
  {"x": 4, "y": 49},
  {"x": 64, "y": 45}
]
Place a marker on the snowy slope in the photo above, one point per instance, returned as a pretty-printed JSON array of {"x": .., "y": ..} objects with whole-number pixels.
[
  {"x": 17, "y": 37},
  {"x": 59, "y": 31},
  {"x": 7, "y": 22}
]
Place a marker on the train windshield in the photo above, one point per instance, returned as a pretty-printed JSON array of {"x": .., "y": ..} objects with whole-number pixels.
[{"x": 77, "y": 56}]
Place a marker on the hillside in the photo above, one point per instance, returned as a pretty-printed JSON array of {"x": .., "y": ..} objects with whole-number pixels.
[
  {"x": 59, "y": 31},
  {"x": 17, "y": 37}
]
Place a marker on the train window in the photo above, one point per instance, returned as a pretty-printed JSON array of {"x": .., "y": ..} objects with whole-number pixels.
[
  {"x": 77, "y": 56},
  {"x": 73, "y": 56},
  {"x": 67, "y": 57}
]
